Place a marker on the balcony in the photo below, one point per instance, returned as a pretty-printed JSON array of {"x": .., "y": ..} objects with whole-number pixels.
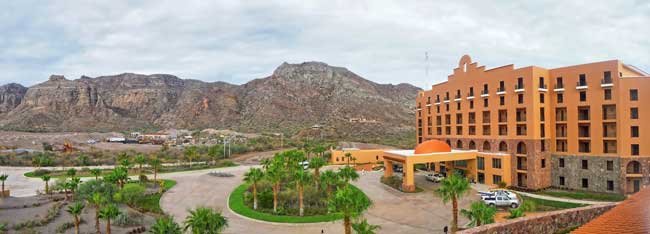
[
  {"x": 580, "y": 85},
  {"x": 542, "y": 88},
  {"x": 519, "y": 88},
  {"x": 470, "y": 95},
  {"x": 437, "y": 101},
  {"x": 457, "y": 98},
  {"x": 559, "y": 87},
  {"x": 501, "y": 91},
  {"x": 484, "y": 93},
  {"x": 606, "y": 83}
]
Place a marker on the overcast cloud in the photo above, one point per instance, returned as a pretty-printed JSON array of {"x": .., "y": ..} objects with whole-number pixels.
[{"x": 384, "y": 41}]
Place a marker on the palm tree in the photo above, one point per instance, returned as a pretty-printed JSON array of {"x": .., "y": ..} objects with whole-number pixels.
[
  {"x": 204, "y": 220},
  {"x": 190, "y": 153},
  {"x": 97, "y": 201},
  {"x": 75, "y": 210},
  {"x": 364, "y": 227},
  {"x": 71, "y": 172},
  {"x": 73, "y": 184},
  {"x": 140, "y": 160},
  {"x": 214, "y": 152},
  {"x": 349, "y": 157},
  {"x": 274, "y": 174},
  {"x": 327, "y": 179},
  {"x": 316, "y": 163},
  {"x": 165, "y": 225},
  {"x": 253, "y": 176},
  {"x": 301, "y": 177},
  {"x": 452, "y": 188},
  {"x": 348, "y": 174},
  {"x": 350, "y": 204},
  {"x": 3, "y": 178},
  {"x": 479, "y": 214},
  {"x": 155, "y": 164},
  {"x": 109, "y": 212},
  {"x": 46, "y": 179},
  {"x": 96, "y": 172},
  {"x": 126, "y": 163}
]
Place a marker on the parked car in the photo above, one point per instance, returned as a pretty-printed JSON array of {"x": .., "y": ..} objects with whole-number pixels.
[
  {"x": 501, "y": 201},
  {"x": 434, "y": 177},
  {"x": 497, "y": 192},
  {"x": 304, "y": 164},
  {"x": 398, "y": 169},
  {"x": 91, "y": 141}
]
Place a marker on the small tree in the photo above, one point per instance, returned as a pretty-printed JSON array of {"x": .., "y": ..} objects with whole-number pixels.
[
  {"x": 349, "y": 203},
  {"x": 140, "y": 160},
  {"x": 301, "y": 178},
  {"x": 348, "y": 174},
  {"x": 316, "y": 163},
  {"x": 46, "y": 179},
  {"x": 155, "y": 164},
  {"x": 452, "y": 188},
  {"x": 96, "y": 172},
  {"x": 479, "y": 214},
  {"x": 3, "y": 178},
  {"x": 204, "y": 220},
  {"x": 214, "y": 152},
  {"x": 364, "y": 227},
  {"x": 73, "y": 184},
  {"x": 165, "y": 225},
  {"x": 253, "y": 176},
  {"x": 75, "y": 210},
  {"x": 328, "y": 179},
  {"x": 274, "y": 174},
  {"x": 109, "y": 212},
  {"x": 97, "y": 201},
  {"x": 71, "y": 172},
  {"x": 190, "y": 153}
]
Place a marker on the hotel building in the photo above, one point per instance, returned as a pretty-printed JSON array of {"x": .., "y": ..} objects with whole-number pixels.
[{"x": 577, "y": 127}]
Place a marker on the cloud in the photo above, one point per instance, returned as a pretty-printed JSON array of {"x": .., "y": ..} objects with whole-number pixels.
[{"x": 384, "y": 41}]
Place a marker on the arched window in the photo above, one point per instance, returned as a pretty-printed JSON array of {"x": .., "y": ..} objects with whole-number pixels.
[
  {"x": 633, "y": 167},
  {"x": 448, "y": 142},
  {"x": 459, "y": 144},
  {"x": 472, "y": 145},
  {"x": 503, "y": 146},
  {"x": 521, "y": 148},
  {"x": 486, "y": 146}
]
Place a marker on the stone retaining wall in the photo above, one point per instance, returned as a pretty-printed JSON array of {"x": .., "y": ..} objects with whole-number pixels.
[{"x": 548, "y": 223}]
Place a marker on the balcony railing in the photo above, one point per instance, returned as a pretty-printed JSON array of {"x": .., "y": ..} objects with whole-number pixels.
[
  {"x": 519, "y": 86},
  {"x": 484, "y": 92},
  {"x": 501, "y": 89},
  {"x": 543, "y": 86},
  {"x": 558, "y": 86},
  {"x": 581, "y": 84}
]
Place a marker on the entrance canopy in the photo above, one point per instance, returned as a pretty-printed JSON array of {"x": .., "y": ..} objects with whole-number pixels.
[{"x": 427, "y": 152}]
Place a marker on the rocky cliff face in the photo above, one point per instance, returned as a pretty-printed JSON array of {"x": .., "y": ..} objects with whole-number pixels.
[{"x": 295, "y": 96}]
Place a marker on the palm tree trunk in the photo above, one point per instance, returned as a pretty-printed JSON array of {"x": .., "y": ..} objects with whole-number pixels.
[
  {"x": 97, "y": 220},
  {"x": 76, "y": 224},
  {"x": 155, "y": 174},
  {"x": 47, "y": 188},
  {"x": 316, "y": 176},
  {"x": 275, "y": 197},
  {"x": 254, "y": 196},
  {"x": 108, "y": 226},
  {"x": 3, "y": 188},
  {"x": 301, "y": 196},
  {"x": 346, "y": 224},
  {"x": 454, "y": 210}
]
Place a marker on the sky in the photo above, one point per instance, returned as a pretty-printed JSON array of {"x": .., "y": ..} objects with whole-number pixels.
[{"x": 383, "y": 41}]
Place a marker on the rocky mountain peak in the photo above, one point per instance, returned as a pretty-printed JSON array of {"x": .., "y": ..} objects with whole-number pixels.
[{"x": 57, "y": 78}]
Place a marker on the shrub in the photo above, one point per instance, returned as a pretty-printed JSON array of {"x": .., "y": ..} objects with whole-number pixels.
[
  {"x": 41, "y": 172},
  {"x": 228, "y": 163},
  {"x": 516, "y": 213},
  {"x": 131, "y": 194},
  {"x": 143, "y": 178},
  {"x": 91, "y": 187},
  {"x": 64, "y": 226},
  {"x": 129, "y": 219},
  {"x": 502, "y": 184}
]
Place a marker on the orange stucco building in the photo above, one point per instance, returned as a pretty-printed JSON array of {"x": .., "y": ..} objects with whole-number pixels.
[{"x": 576, "y": 127}]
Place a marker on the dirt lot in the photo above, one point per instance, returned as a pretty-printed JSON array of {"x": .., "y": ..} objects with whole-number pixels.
[{"x": 29, "y": 140}]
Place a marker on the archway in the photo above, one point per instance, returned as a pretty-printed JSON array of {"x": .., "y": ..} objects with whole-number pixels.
[
  {"x": 472, "y": 145},
  {"x": 503, "y": 146},
  {"x": 459, "y": 144},
  {"x": 486, "y": 146}
]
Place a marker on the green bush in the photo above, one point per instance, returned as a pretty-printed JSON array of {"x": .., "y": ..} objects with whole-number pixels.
[
  {"x": 131, "y": 194},
  {"x": 88, "y": 188},
  {"x": 40, "y": 172},
  {"x": 130, "y": 218},
  {"x": 516, "y": 213}
]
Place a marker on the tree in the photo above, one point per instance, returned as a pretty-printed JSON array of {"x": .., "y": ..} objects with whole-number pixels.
[
  {"x": 73, "y": 184},
  {"x": 274, "y": 174},
  {"x": 348, "y": 174},
  {"x": 46, "y": 179},
  {"x": 327, "y": 179},
  {"x": 479, "y": 214},
  {"x": 204, "y": 220},
  {"x": 214, "y": 152},
  {"x": 71, "y": 172},
  {"x": 364, "y": 227},
  {"x": 75, "y": 210},
  {"x": 301, "y": 178},
  {"x": 165, "y": 225},
  {"x": 253, "y": 176},
  {"x": 126, "y": 163},
  {"x": 83, "y": 160},
  {"x": 96, "y": 172},
  {"x": 118, "y": 176},
  {"x": 348, "y": 156},
  {"x": 109, "y": 212},
  {"x": 349, "y": 203},
  {"x": 3, "y": 178},
  {"x": 316, "y": 163},
  {"x": 140, "y": 160},
  {"x": 97, "y": 201},
  {"x": 452, "y": 188},
  {"x": 155, "y": 164},
  {"x": 190, "y": 153}
]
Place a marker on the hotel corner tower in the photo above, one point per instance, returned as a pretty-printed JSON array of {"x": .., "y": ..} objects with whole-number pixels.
[{"x": 576, "y": 127}]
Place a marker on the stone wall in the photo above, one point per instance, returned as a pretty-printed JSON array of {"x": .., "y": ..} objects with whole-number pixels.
[
  {"x": 548, "y": 223},
  {"x": 596, "y": 174}
]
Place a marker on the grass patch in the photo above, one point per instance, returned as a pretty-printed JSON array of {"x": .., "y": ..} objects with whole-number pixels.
[
  {"x": 548, "y": 205},
  {"x": 236, "y": 204},
  {"x": 580, "y": 195},
  {"x": 132, "y": 172},
  {"x": 151, "y": 203}
]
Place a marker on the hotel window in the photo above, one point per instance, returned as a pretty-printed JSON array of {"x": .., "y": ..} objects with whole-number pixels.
[
  {"x": 520, "y": 83},
  {"x": 485, "y": 102},
  {"x": 635, "y": 149},
  {"x": 560, "y": 114},
  {"x": 559, "y": 82},
  {"x": 496, "y": 179},
  {"x": 609, "y": 146},
  {"x": 634, "y": 113},
  {"x": 480, "y": 161},
  {"x": 634, "y": 95},
  {"x": 448, "y": 130},
  {"x": 438, "y": 120},
  {"x": 521, "y": 130},
  {"x": 521, "y": 114},
  {"x": 447, "y": 107},
  {"x": 471, "y": 118},
  {"x": 439, "y": 130},
  {"x": 541, "y": 98},
  {"x": 610, "y": 185},
  {"x": 582, "y": 80},
  {"x": 520, "y": 98},
  {"x": 486, "y": 130},
  {"x": 471, "y": 104},
  {"x": 472, "y": 130},
  {"x": 584, "y": 146},
  {"x": 542, "y": 131},
  {"x": 542, "y": 116},
  {"x": 560, "y": 145},
  {"x": 459, "y": 130},
  {"x": 459, "y": 118},
  {"x": 496, "y": 163},
  {"x": 438, "y": 109},
  {"x": 502, "y": 100},
  {"x": 610, "y": 165},
  {"x": 543, "y": 144},
  {"x": 541, "y": 83},
  {"x": 543, "y": 163},
  {"x": 634, "y": 130},
  {"x": 458, "y": 106},
  {"x": 561, "y": 162},
  {"x": 486, "y": 117},
  {"x": 560, "y": 98},
  {"x": 447, "y": 119},
  {"x": 585, "y": 164},
  {"x": 583, "y": 113},
  {"x": 428, "y": 110},
  {"x": 503, "y": 116},
  {"x": 609, "y": 112},
  {"x": 585, "y": 183},
  {"x": 471, "y": 92},
  {"x": 503, "y": 130},
  {"x": 502, "y": 86},
  {"x": 608, "y": 94},
  {"x": 561, "y": 180},
  {"x": 583, "y": 96},
  {"x": 429, "y": 121}
]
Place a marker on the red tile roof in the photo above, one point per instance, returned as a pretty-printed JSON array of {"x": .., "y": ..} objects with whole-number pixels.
[{"x": 630, "y": 216}]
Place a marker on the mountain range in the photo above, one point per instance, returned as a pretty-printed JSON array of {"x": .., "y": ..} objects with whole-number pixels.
[{"x": 295, "y": 98}]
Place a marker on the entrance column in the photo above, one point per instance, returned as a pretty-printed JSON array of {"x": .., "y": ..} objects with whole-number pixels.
[
  {"x": 408, "y": 183},
  {"x": 388, "y": 168}
]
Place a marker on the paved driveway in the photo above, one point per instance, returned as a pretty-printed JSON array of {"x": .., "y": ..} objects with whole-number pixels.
[{"x": 396, "y": 212}]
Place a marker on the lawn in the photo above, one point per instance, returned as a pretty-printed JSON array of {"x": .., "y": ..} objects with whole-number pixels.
[
  {"x": 580, "y": 195},
  {"x": 548, "y": 205},
  {"x": 236, "y": 204},
  {"x": 132, "y": 172},
  {"x": 151, "y": 203}
]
